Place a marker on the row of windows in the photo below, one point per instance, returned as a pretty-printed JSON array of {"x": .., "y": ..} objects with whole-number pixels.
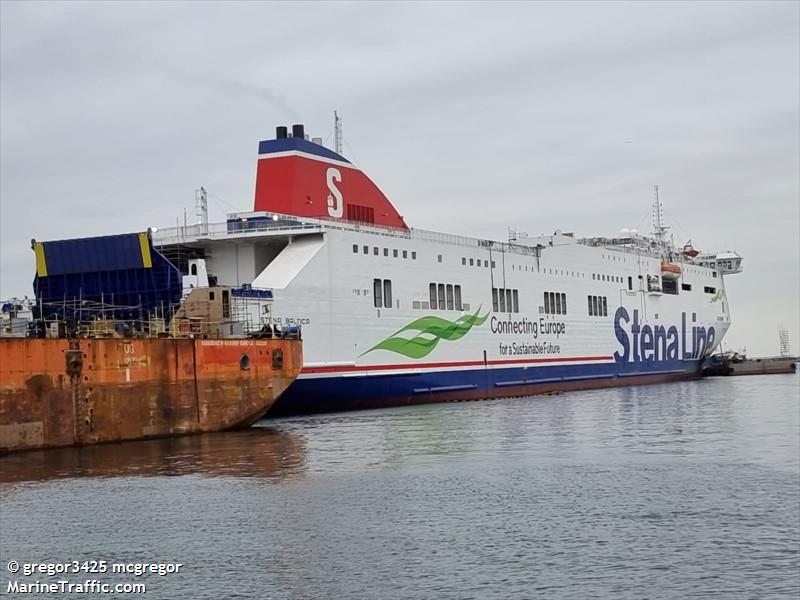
[
  {"x": 598, "y": 306},
  {"x": 612, "y": 278},
  {"x": 700, "y": 271},
  {"x": 445, "y": 296},
  {"x": 476, "y": 262},
  {"x": 555, "y": 303},
  {"x": 550, "y": 271},
  {"x": 671, "y": 287},
  {"x": 685, "y": 269},
  {"x": 395, "y": 252},
  {"x": 382, "y": 293},
  {"x": 668, "y": 286},
  {"x": 505, "y": 300},
  {"x": 448, "y": 297}
]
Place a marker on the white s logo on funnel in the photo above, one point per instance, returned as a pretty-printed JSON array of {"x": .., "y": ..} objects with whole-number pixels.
[{"x": 335, "y": 203}]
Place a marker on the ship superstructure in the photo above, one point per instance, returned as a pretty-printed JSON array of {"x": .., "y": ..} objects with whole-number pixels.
[{"x": 394, "y": 315}]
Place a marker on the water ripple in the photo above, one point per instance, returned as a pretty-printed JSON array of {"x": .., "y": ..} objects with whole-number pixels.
[{"x": 687, "y": 490}]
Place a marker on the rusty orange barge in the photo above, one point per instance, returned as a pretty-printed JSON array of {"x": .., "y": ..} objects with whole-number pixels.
[
  {"x": 59, "y": 392},
  {"x": 119, "y": 346}
]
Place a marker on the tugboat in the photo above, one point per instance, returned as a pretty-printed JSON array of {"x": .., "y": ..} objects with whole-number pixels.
[{"x": 117, "y": 349}]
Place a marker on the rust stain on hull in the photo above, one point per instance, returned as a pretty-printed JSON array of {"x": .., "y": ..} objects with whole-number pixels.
[{"x": 58, "y": 392}]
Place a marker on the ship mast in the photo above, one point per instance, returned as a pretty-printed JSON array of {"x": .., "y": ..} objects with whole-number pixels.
[
  {"x": 201, "y": 209},
  {"x": 659, "y": 229},
  {"x": 337, "y": 133}
]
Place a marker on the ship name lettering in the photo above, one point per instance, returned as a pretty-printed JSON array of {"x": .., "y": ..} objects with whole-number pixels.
[
  {"x": 642, "y": 342},
  {"x": 291, "y": 321}
]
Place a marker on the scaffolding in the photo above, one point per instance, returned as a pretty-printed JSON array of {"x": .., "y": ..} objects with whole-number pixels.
[{"x": 783, "y": 341}]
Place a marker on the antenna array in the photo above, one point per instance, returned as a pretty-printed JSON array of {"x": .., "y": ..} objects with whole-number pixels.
[
  {"x": 659, "y": 229},
  {"x": 337, "y": 133}
]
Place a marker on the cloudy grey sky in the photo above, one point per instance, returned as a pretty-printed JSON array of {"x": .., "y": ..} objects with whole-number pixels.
[{"x": 471, "y": 117}]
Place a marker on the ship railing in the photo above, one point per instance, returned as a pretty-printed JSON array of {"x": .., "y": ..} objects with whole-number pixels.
[
  {"x": 235, "y": 227},
  {"x": 88, "y": 318},
  {"x": 178, "y": 327},
  {"x": 639, "y": 246},
  {"x": 193, "y": 233},
  {"x": 470, "y": 242},
  {"x": 288, "y": 224},
  {"x": 221, "y": 230}
]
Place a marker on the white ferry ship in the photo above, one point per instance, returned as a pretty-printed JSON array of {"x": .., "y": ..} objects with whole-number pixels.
[{"x": 396, "y": 315}]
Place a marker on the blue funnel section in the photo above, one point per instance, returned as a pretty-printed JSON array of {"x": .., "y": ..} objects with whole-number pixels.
[
  {"x": 299, "y": 145},
  {"x": 120, "y": 277}
]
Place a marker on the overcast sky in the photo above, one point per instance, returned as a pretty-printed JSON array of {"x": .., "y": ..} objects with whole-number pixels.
[{"x": 470, "y": 117}]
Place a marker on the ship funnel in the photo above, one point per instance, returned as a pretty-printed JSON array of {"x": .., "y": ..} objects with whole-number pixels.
[
  {"x": 281, "y": 132},
  {"x": 301, "y": 177}
]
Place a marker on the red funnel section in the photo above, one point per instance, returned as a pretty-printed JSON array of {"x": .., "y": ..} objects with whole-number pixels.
[{"x": 300, "y": 178}]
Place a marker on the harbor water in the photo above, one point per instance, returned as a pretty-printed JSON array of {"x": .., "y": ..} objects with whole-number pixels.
[{"x": 685, "y": 490}]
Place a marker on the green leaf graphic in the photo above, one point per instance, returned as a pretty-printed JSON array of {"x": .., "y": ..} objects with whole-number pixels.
[{"x": 431, "y": 331}]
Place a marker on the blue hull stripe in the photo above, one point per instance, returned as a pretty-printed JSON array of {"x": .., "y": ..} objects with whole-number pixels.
[{"x": 337, "y": 392}]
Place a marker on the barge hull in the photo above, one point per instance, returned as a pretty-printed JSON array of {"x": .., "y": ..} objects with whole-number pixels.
[
  {"x": 764, "y": 366},
  {"x": 59, "y": 392}
]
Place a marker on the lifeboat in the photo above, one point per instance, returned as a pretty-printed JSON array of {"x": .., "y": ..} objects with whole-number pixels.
[
  {"x": 688, "y": 250},
  {"x": 670, "y": 271}
]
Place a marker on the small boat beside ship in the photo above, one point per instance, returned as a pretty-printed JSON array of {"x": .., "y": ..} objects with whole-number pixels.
[{"x": 150, "y": 363}]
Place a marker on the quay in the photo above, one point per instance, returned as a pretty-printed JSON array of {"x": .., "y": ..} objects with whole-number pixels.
[{"x": 733, "y": 364}]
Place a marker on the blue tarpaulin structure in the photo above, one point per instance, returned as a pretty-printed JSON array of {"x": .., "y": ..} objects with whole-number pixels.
[{"x": 121, "y": 277}]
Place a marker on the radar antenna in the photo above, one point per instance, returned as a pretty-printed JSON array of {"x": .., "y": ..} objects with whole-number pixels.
[{"x": 337, "y": 133}]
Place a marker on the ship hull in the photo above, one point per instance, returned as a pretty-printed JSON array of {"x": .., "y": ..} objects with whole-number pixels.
[
  {"x": 354, "y": 389},
  {"x": 58, "y": 392}
]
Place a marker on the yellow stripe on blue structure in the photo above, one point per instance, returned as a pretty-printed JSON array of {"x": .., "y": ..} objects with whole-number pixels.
[
  {"x": 144, "y": 243},
  {"x": 41, "y": 262}
]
